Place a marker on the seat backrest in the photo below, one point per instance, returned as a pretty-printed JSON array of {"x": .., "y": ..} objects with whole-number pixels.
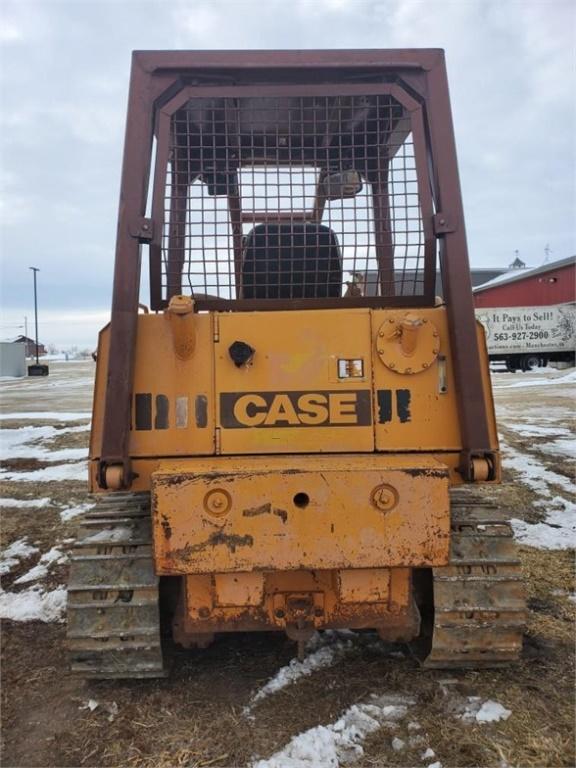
[{"x": 291, "y": 261}]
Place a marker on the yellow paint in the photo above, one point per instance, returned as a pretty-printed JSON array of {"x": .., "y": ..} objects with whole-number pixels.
[
  {"x": 296, "y": 363},
  {"x": 314, "y": 340}
]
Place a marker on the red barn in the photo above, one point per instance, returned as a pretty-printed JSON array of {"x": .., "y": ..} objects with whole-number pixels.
[{"x": 553, "y": 283}]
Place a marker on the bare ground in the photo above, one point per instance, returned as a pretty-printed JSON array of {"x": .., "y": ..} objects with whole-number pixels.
[{"x": 194, "y": 718}]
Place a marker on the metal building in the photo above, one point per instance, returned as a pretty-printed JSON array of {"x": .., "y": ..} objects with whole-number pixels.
[{"x": 12, "y": 359}]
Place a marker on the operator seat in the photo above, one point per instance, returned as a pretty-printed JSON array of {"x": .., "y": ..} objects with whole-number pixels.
[{"x": 296, "y": 260}]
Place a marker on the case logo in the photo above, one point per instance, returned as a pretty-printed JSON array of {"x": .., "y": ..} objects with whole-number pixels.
[{"x": 295, "y": 409}]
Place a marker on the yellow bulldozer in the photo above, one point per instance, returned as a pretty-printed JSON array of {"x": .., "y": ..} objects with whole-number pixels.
[{"x": 290, "y": 434}]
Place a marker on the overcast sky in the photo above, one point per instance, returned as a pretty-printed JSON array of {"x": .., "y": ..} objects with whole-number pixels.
[{"x": 64, "y": 80}]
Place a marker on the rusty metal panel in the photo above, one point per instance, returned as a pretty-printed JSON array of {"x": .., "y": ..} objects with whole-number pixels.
[
  {"x": 202, "y": 612},
  {"x": 364, "y": 585},
  {"x": 239, "y": 588},
  {"x": 299, "y": 512},
  {"x": 472, "y": 412}
]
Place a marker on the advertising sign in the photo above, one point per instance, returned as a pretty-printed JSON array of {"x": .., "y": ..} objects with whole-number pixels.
[{"x": 529, "y": 329}]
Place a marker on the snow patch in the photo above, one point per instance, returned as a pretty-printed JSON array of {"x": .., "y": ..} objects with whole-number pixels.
[
  {"x": 55, "y": 473},
  {"x": 492, "y": 712},
  {"x": 324, "y": 650},
  {"x": 557, "y": 531},
  {"x": 120, "y": 534},
  {"x": 560, "y": 447},
  {"x": 46, "y": 415},
  {"x": 46, "y": 454},
  {"x": 53, "y": 557},
  {"x": 16, "y": 443},
  {"x": 533, "y": 473},
  {"x": 25, "y": 503},
  {"x": 568, "y": 378},
  {"x": 489, "y": 711},
  {"x": 11, "y": 556},
  {"x": 33, "y": 604},
  {"x": 329, "y": 746},
  {"x": 537, "y": 430},
  {"x": 70, "y": 512}
]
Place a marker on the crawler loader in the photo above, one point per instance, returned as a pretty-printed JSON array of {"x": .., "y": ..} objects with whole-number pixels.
[{"x": 291, "y": 432}]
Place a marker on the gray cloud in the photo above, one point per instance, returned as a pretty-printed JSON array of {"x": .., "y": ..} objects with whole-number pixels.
[{"x": 64, "y": 80}]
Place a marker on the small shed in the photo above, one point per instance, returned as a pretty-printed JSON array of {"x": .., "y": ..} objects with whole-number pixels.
[
  {"x": 552, "y": 283},
  {"x": 12, "y": 359},
  {"x": 30, "y": 346}
]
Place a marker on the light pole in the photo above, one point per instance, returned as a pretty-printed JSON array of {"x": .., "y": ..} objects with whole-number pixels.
[
  {"x": 35, "y": 270},
  {"x": 37, "y": 369}
]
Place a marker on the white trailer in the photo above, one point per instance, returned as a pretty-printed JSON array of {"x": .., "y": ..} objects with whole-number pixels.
[{"x": 527, "y": 337}]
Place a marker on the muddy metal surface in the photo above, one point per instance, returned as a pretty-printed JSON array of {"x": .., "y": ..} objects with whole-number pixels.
[{"x": 205, "y": 713}]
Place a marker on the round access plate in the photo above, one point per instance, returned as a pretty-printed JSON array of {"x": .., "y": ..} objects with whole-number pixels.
[{"x": 393, "y": 352}]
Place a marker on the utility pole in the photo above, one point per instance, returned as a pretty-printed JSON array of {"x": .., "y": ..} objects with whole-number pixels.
[
  {"x": 25, "y": 326},
  {"x": 37, "y": 369}
]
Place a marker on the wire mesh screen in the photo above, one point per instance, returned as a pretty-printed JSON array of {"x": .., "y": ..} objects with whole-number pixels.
[{"x": 292, "y": 197}]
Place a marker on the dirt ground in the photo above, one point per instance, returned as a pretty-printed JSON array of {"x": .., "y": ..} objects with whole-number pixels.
[{"x": 196, "y": 717}]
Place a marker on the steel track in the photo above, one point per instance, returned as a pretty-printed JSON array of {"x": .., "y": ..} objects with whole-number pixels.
[
  {"x": 479, "y": 598},
  {"x": 113, "y": 611}
]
